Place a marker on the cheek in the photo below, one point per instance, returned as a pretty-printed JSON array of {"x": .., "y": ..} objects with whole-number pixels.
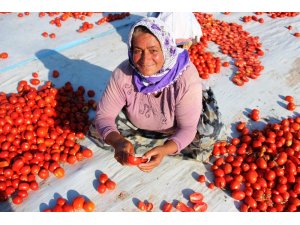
[
  {"x": 135, "y": 58},
  {"x": 159, "y": 59}
]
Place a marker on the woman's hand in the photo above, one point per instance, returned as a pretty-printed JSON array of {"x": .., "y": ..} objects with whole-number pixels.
[
  {"x": 122, "y": 146},
  {"x": 122, "y": 150},
  {"x": 156, "y": 155}
]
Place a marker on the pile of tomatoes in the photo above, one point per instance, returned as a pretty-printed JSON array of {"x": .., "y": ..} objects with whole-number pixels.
[
  {"x": 39, "y": 130},
  {"x": 233, "y": 41},
  {"x": 79, "y": 203},
  {"x": 261, "y": 168}
]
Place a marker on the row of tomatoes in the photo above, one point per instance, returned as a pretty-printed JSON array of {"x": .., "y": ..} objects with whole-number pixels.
[
  {"x": 39, "y": 130},
  {"x": 261, "y": 168}
]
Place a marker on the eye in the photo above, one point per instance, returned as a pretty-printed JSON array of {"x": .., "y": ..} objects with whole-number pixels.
[
  {"x": 153, "y": 51},
  {"x": 137, "y": 51}
]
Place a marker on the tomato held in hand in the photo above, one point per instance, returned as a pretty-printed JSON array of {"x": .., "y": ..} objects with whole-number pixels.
[{"x": 132, "y": 160}]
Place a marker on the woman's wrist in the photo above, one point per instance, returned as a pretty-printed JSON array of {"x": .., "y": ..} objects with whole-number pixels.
[
  {"x": 170, "y": 147},
  {"x": 114, "y": 139}
]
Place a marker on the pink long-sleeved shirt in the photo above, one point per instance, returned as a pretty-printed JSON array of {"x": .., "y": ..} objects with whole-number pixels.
[{"x": 176, "y": 110}]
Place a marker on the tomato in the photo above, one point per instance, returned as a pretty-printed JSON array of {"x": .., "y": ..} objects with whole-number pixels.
[
  {"x": 43, "y": 174},
  {"x": 141, "y": 206},
  {"x": 196, "y": 197},
  {"x": 17, "y": 165},
  {"x": 238, "y": 195},
  {"x": 103, "y": 178},
  {"x": 201, "y": 178},
  {"x": 149, "y": 206},
  {"x": 251, "y": 176},
  {"x": 88, "y": 206},
  {"x": 61, "y": 201},
  {"x": 291, "y": 106},
  {"x": 167, "y": 207},
  {"x": 91, "y": 93},
  {"x": 2, "y": 186},
  {"x": 101, "y": 188},
  {"x": 45, "y": 34},
  {"x": 59, "y": 172},
  {"x": 17, "y": 200},
  {"x": 35, "y": 81},
  {"x": 23, "y": 186},
  {"x": 132, "y": 160},
  {"x": 78, "y": 202},
  {"x": 67, "y": 208},
  {"x": 250, "y": 202},
  {"x": 52, "y": 35},
  {"x": 211, "y": 186},
  {"x": 111, "y": 185},
  {"x": 270, "y": 175},
  {"x": 87, "y": 153},
  {"x": 200, "y": 207},
  {"x": 261, "y": 163},
  {"x": 183, "y": 207},
  {"x": 23, "y": 194}
]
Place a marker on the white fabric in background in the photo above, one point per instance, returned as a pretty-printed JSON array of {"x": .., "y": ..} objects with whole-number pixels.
[{"x": 183, "y": 25}]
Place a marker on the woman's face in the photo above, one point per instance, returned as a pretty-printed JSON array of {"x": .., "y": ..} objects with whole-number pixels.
[{"x": 147, "y": 55}]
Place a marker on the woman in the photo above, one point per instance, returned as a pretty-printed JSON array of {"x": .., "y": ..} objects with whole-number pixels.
[{"x": 159, "y": 91}]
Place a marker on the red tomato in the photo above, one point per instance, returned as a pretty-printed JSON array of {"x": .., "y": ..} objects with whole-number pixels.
[
  {"x": 87, "y": 153},
  {"x": 201, "y": 178},
  {"x": 149, "y": 206},
  {"x": 132, "y": 160},
  {"x": 35, "y": 81},
  {"x": 200, "y": 207},
  {"x": 111, "y": 185},
  {"x": 238, "y": 195},
  {"x": 142, "y": 206},
  {"x": 61, "y": 201},
  {"x": 59, "y": 172},
  {"x": 289, "y": 98},
  {"x": 183, "y": 207},
  {"x": 78, "y": 202},
  {"x": 67, "y": 208},
  {"x": 17, "y": 200},
  {"x": 103, "y": 178},
  {"x": 88, "y": 206},
  {"x": 101, "y": 188},
  {"x": 196, "y": 197},
  {"x": 167, "y": 207}
]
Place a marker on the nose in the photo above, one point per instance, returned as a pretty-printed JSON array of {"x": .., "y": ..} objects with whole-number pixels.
[{"x": 146, "y": 56}]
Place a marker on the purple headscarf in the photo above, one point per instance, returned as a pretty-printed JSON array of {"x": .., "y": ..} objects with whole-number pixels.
[{"x": 176, "y": 59}]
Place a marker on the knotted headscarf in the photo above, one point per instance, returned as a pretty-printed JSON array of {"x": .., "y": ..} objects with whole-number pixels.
[{"x": 176, "y": 59}]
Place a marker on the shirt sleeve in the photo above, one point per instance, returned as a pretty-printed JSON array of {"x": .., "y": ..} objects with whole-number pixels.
[
  {"x": 110, "y": 105},
  {"x": 187, "y": 109}
]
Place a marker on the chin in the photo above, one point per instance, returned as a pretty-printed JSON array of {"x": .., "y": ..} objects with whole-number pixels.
[{"x": 148, "y": 72}]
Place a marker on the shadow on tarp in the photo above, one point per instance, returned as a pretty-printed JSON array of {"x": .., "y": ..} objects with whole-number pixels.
[
  {"x": 78, "y": 72},
  {"x": 121, "y": 27},
  {"x": 5, "y": 206}
]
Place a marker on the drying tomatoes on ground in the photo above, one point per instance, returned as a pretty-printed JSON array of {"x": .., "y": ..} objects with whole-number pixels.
[
  {"x": 265, "y": 167},
  {"x": 39, "y": 130}
]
